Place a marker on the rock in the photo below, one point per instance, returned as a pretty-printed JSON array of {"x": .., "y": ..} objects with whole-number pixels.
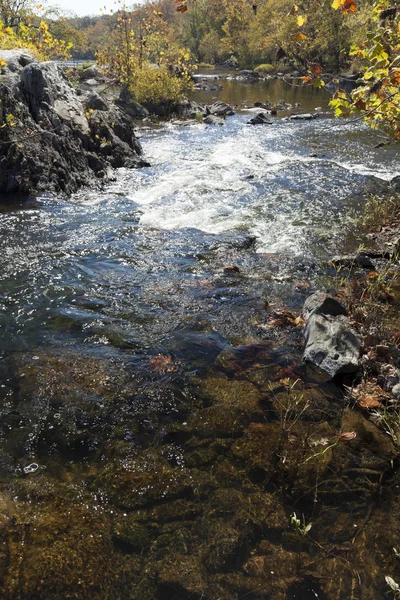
[
  {"x": 220, "y": 109},
  {"x": 191, "y": 110},
  {"x": 395, "y": 182},
  {"x": 65, "y": 147},
  {"x": 323, "y": 303},
  {"x": 351, "y": 261},
  {"x": 331, "y": 344},
  {"x": 247, "y": 74},
  {"x": 205, "y": 85},
  {"x": 92, "y": 82},
  {"x": 396, "y": 392},
  {"x": 304, "y": 117},
  {"x": 185, "y": 123},
  {"x": 92, "y": 72},
  {"x": 126, "y": 101},
  {"x": 260, "y": 119},
  {"x": 95, "y": 102},
  {"x": 213, "y": 120}
]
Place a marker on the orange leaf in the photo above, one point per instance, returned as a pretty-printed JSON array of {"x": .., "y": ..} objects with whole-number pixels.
[
  {"x": 349, "y": 6},
  {"x": 369, "y": 402},
  {"x": 181, "y": 7}
]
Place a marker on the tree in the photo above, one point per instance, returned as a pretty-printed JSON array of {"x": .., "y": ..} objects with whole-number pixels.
[
  {"x": 140, "y": 54},
  {"x": 377, "y": 97}
]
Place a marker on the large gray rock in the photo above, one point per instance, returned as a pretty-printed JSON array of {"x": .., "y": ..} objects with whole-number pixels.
[
  {"x": 220, "y": 109},
  {"x": 191, "y": 109},
  {"x": 331, "y": 344},
  {"x": 324, "y": 304},
  {"x": 260, "y": 119},
  {"x": 56, "y": 144}
]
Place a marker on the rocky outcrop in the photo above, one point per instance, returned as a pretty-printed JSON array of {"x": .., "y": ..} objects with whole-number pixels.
[
  {"x": 54, "y": 137},
  {"x": 330, "y": 341}
]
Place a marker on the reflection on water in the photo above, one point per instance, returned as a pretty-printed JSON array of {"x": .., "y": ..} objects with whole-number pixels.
[
  {"x": 248, "y": 92},
  {"x": 156, "y": 435}
]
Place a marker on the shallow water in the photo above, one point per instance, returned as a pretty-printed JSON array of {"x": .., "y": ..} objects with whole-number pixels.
[{"x": 142, "y": 394}]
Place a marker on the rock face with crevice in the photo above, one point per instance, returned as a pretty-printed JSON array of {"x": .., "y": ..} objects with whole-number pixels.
[
  {"x": 57, "y": 138},
  {"x": 330, "y": 342}
]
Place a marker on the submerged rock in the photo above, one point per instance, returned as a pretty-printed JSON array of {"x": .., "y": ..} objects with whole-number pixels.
[{"x": 54, "y": 137}]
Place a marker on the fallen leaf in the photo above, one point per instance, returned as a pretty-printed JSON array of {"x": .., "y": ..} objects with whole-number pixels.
[
  {"x": 347, "y": 436},
  {"x": 162, "y": 363},
  {"x": 369, "y": 402}
]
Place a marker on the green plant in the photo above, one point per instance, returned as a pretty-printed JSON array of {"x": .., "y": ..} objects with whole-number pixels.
[
  {"x": 265, "y": 68},
  {"x": 395, "y": 587},
  {"x": 301, "y": 527}
]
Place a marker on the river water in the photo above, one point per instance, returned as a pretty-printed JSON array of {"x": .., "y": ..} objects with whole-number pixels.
[{"x": 128, "y": 312}]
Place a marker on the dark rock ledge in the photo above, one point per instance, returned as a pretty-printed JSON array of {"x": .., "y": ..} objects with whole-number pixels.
[{"x": 57, "y": 138}]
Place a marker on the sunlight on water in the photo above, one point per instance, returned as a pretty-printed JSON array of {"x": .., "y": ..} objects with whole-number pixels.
[{"x": 278, "y": 182}]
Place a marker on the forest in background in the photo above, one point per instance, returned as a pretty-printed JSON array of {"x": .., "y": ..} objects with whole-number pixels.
[{"x": 243, "y": 34}]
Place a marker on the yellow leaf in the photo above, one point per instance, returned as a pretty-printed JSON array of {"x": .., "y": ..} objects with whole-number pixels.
[
  {"x": 301, "y": 20},
  {"x": 337, "y": 4}
]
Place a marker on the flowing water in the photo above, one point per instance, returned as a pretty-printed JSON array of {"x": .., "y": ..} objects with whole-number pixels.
[{"x": 141, "y": 394}]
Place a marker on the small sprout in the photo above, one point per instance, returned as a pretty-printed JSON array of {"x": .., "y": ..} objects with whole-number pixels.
[
  {"x": 393, "y": 586},
  {"x": 301, "y": 529}
]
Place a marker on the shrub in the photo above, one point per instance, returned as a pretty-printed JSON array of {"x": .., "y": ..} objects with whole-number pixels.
[
  {"x": 157, "y": 84},
  {"x": 265, "y": 68}
]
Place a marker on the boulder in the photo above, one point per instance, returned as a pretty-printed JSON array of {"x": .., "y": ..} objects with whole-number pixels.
[
  {"x": 324, "y": 304},
  {"x": 351, "y": 261},
  {"x": 330, "y": 341},
  {"x": 92, "y": 72},
  {"x": 260, "y": 119},
  {"x": 247, "y": 74},
  {"x": 190, "y": 109},
  {"x": 56, "y": 144},
  {"x": 220, "y": 109},
  {"x": 213, "y": 120},
  {"x": 304, "y": 117},
  {"x": 331, "y": 344}
]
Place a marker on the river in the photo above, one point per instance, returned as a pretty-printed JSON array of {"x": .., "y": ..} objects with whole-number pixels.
[{"x": 127, "y": 313}]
